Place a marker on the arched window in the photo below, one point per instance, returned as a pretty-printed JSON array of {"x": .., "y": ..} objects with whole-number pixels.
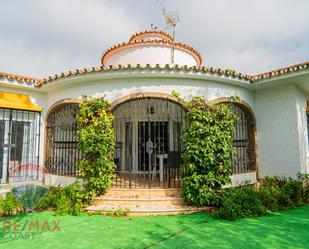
[
  {"x": 62, "y": 153},
  {"x": 245, "y": 160}
]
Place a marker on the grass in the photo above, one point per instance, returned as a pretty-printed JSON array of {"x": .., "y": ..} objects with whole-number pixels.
[{"x": 284, "y": 229}]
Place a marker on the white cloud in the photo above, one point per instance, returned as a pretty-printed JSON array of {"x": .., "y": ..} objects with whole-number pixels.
[
  {"x": 56, "y": 36},
  {"x": 43, "y": 37},
  {"x": 250, "y": 36}
]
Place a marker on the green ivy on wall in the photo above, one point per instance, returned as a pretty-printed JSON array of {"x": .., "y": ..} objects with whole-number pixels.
[
  {"x": 209, "y": 151},
  {"x": 97, "y": 142}
]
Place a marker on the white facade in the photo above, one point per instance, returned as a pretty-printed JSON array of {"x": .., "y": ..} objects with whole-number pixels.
[
  {"x": 150, "y": 54},
  {"x": 278, "y": 103}
]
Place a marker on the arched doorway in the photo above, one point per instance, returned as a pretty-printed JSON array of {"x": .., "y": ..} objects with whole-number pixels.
[
  {"x": 148, "y": 142},
  {"x": 62, "y": 153}
]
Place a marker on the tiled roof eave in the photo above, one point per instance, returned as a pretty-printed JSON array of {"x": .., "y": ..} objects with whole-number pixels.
[
  {"x": 228, "y": 74},
  {"x": 281, "y": 72},
  {"x": 287, "y": 71},
  {"x": 19, "y": 78}
]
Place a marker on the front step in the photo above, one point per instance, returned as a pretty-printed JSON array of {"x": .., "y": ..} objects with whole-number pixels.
[
  {"x": 150, "y": 210},
  {"x": 143, "y": 193},
  {"x": 138, "y": 202},
  {"x": 143, "y": 202}
]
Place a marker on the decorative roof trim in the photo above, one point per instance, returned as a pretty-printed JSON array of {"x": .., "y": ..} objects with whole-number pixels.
[
  {"x": 205, "y": 70},
  {"x": 280, "y": 71},
  {"x": 221, "y": 72},
  {"x": 163, "y": 34},
  {"x": 21, "y": 78},
  {"x": 152, "y": 42}
]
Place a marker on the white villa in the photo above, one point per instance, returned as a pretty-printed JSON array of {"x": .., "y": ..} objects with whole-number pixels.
[{"x": 38, "y": 125}]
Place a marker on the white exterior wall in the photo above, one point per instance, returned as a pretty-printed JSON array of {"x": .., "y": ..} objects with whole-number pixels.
[
  {"x": 152, "y": 55},
  {"x": 278, "y": 134},
  {"x": 242, "y": 179},
  {"x": 57, "y": 180},
  {"x": 113, "y": 89}
]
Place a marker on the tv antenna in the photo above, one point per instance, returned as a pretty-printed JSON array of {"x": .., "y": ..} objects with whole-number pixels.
[
  {"x": 171, "y": 20},
  {"x": 152, "y": 27}
]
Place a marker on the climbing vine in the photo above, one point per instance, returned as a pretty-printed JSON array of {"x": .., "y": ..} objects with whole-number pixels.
[
  {"x": 97, "y": 142},
  {"x": 209, "y": 151}
]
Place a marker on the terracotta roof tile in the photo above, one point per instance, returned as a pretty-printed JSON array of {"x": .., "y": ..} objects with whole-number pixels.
[
  {"x": 205, "y": 70},
  {"x": 166, "y": 35},
  {"x": 280, "y": 71},
  {"x": 21, "y": 78}
]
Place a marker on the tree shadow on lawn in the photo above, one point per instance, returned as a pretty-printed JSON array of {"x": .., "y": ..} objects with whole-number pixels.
[
  {"x": 284, "y": 229},
  {"x": 149, "y": 230},
  {"x": 104, "y": 232}
]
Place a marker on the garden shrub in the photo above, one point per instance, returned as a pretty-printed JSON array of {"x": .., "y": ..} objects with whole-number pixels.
[
  {"x": 10, "y": 205},
  {"x": 275, "y": 193},
  {"x": 287, "y": 192},
  {"x": 50, "y": 199},
  {"x": 72, "y": 200},
  {"x": 268, "y": 199},
  {"x": 63, "y": 206},
  {"x": 97, "y": 142},
  {"x": 295, "y": 191},
  {"x": 68, "y": 200},
  {"x": 306, "y": 194},
  {"x": 1, "y": 205},
  {"x": 304, "y": 178},
  {"x": 209, "y": 151},
  {"x": 198, "y": 190},
  {"x": 240, "y": 202}
]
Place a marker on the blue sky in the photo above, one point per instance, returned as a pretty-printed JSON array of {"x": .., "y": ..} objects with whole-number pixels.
[{"x": 43, "y": 37}]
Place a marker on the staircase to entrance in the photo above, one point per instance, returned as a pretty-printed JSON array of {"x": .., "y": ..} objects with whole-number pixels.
[{"x": 143, "y": 201}]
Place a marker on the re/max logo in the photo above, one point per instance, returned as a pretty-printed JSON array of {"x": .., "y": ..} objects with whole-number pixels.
[{"x": 30, "y": 226}]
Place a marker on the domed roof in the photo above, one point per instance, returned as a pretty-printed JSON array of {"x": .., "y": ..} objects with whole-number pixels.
[
  {"x": 151, "y": 34},
  {"x": 151, "y": 47}
]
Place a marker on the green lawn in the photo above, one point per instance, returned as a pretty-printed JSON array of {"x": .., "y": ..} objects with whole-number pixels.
[{"x": 285, "y": 229}]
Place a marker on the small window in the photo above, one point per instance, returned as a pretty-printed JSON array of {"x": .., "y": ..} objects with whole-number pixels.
[{"x": 19, "y": 140}]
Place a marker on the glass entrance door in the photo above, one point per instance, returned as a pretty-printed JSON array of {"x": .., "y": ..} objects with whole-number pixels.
[{"x": 153, "y": 145}]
